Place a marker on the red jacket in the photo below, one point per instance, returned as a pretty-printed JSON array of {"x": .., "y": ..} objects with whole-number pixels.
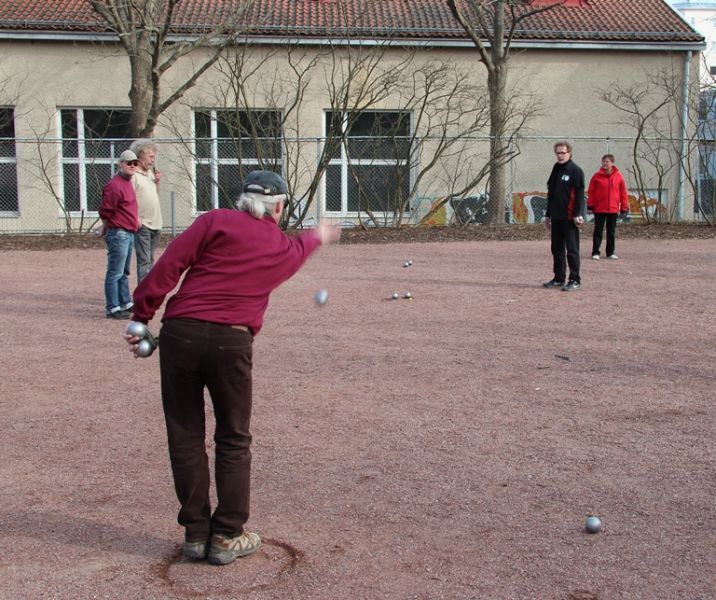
[
  {"x": 119, "y": 204},
  {"x": 232, "y": 262},
  {"x": 607, "y": 192}
]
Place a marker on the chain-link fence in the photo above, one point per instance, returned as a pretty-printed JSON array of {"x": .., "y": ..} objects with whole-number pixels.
[
  {"x": 55, "y": 186},
  {"x": 653, "y": 195}
]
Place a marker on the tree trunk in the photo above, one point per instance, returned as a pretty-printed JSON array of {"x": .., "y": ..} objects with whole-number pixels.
[
  {"x": 498, "y": 167},
  {"x": 141, "y": 92}
]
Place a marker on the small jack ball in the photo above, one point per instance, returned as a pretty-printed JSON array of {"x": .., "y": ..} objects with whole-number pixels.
[
  {"x": 593, "y": 525},
  {"x": 395, "y": 295},
  {"x": 408, "y": 296},
  {"x": 321, "y": 297}
]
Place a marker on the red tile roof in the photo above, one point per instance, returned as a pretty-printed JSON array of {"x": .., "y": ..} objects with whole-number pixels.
[{"x": 582, "y": 21}]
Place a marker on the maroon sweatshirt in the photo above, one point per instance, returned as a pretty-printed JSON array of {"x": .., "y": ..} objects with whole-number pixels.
[
  {"x": 233, "y": 261},
  {"x": 119, "y": 204}
]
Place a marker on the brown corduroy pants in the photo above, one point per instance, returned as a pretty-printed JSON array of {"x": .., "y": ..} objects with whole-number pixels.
[{"x": 194, "y": 355}]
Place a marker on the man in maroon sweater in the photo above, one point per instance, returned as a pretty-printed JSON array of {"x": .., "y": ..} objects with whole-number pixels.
[
  {"x": 120, "y": 221},
  {"x": 232, "y": 261}
]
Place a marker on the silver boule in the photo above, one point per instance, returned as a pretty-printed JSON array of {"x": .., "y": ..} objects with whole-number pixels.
[
  {"x": 145, "y": 348},
  {"x": 593, "y": 524},
  {"x": 136, "y": 329},
  {"x": 321, "y": 297}
]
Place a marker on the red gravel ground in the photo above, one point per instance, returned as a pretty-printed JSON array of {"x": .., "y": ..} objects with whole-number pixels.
[{"x": 450, "y": 446}]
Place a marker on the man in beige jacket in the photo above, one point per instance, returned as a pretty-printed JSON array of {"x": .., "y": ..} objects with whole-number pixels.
[{"x": 146, "y": 186}]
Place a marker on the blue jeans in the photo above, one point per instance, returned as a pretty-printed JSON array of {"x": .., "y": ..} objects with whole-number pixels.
[{"x": 116, "y": 282}]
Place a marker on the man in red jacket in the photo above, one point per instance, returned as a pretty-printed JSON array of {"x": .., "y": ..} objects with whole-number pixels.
[
  {"x": 607, "y": 197},
  {"x": 120, "y": 221},
  {"x": 231, "y": 261}
]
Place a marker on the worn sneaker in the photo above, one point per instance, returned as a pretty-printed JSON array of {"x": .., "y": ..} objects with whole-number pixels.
[
  {"x": 553, "y": 283},
  {"x": 225, "y": 550},
  {"x": 595, "y": 256},
  {"x": 119, "y": 314},
  {"x": 570, "y": 286},
  {"x": 195, "y": 550},
  {"x": 612, "y": 257}
]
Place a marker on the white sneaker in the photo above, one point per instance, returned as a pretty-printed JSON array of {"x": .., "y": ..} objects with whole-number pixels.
[
  {"x": 612, "y": 257},
  {"x": 595, "y": 256}
]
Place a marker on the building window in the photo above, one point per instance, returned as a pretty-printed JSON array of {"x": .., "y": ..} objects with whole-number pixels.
[
  {"x": 8, "y": 164},
  {"x": 92, "y": 140},
  {"x": 371, "y": 170},
  {"x": 228, "y": 144}
]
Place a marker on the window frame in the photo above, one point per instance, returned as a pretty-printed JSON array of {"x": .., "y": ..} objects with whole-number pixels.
[
  {"x": 343, "y": 162},
  {"x": 11, "y": 160},
  {"x": 214, "y": 160},
  {"x": 83, "y": 162}
]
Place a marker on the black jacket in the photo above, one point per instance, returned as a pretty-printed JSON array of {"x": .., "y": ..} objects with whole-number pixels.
[{"x": 565, "y": 192}]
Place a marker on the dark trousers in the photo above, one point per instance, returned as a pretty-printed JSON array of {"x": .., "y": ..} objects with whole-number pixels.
[
  {"x": 565, "y": 242},
  {"x": 611, "y": 220},
  {"x": 193, "y": 355}
]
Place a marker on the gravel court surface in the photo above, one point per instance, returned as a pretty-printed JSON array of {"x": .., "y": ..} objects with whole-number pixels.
[{"x": 449, "y": 446}]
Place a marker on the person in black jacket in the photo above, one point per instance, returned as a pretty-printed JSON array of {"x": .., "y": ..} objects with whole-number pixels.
[{"x": 564, "y": 217}]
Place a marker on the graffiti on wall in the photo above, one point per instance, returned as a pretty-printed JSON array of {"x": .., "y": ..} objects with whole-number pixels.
[
  {"x": 649, "y": 204},
  {"x": 530, "y": 207}
]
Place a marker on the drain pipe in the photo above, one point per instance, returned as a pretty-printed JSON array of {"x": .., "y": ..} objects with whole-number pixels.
[{"x": 684, "y": 135}]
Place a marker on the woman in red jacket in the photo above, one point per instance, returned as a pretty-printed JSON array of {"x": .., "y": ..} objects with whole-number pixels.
[{"x": 607, "y": 198}]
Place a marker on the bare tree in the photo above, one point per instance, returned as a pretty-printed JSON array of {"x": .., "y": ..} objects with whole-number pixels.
[
  {"x": 41, "y": 174},
  {"x": 450, "y": 116},
  {"x": 491, "y": 25},
  {"x": 437, "y": 114},
  {"x": 256, "y": 105},
  {"x": 46, "y": 167},
  {"x": 144, "y": 28},
  {"x": 647, "y": 107},
  {"x": 700, "y": 156}
]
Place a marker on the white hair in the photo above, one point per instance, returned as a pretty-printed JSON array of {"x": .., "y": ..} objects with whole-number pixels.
[
  {"x": 142, "y": 145},
  {"x": 258, "y": 204}
]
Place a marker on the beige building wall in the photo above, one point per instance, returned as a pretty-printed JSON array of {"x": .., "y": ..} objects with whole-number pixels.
[
  {"x": 571, "y": 84},
  {"x": 46, "y": 76}
]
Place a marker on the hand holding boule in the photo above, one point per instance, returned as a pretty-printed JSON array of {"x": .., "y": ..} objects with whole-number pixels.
[
  {"x": 141, "y": 341},
  {"x": 136, "y": 329}
]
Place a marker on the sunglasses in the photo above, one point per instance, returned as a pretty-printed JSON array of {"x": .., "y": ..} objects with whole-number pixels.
[{"x": 132, "y": 163}]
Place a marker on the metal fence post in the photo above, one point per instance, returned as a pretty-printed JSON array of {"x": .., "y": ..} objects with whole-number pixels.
[
  {"x": 174, "y": 213},
  {"x": 319, "y": 194}
]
